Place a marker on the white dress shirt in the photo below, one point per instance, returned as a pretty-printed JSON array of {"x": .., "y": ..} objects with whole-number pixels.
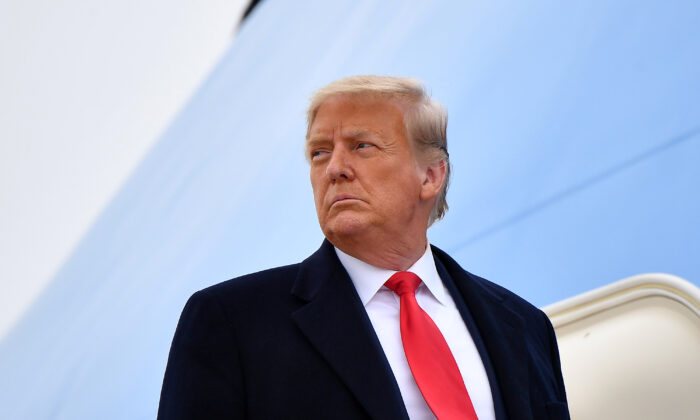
[{"x": 382, "y": 306}]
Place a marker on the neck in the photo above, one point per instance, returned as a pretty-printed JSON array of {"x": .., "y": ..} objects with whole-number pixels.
[{"x": 387, "y": 254}]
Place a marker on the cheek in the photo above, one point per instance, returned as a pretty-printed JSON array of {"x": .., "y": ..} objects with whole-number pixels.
[
  {"x": 313, "y": 177},
  {"x": 318, "y": 190},
  {"x": 406, "y": 190}
]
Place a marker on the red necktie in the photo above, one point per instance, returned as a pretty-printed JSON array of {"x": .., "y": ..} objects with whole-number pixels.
[{"x": 431, "y": 362}]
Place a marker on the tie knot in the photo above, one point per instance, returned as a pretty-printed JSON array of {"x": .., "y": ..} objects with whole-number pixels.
[{"x": 403, "y": 282}]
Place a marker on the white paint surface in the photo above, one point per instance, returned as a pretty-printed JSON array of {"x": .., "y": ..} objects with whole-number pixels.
[
  {"x": 87, "y": 88},
  {"x": 631, "y": 350}
]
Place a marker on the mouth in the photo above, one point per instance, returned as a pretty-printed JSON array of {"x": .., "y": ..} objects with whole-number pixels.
[{"x": 343, "y": 198}]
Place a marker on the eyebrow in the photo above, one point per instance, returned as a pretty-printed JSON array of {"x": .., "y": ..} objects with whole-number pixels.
[
  {"x": 351, "y": 133},
  {"x": 314, "y": 143}
]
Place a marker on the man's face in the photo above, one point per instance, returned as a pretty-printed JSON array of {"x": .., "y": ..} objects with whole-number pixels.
[{"x": 363, "y": 170}]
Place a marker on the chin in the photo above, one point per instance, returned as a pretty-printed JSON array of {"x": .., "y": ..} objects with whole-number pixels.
[{"x": 343, "y": 228}]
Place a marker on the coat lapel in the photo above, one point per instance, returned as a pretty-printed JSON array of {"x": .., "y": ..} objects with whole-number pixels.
[
  {"x": 336, "y": 323},
  {"x": 502, "y": 332}
]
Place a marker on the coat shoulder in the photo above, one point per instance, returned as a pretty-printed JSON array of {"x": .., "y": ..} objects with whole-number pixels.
[
  {"x": 484, "y": 286},
  {"x": 249, "y": 284},
  {"x": 509, "y": 298}
]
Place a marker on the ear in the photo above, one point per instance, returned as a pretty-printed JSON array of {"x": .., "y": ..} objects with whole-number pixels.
[{"x": 433, "y": 178}]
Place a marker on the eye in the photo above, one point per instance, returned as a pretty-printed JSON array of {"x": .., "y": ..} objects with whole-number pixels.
[
  {"x": 363, "y": 145},
  {"x": 317, "y": 154}
]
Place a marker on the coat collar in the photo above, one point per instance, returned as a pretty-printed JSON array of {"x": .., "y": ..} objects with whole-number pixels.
[
  {"x": 336, "y": 323},
  {"x": 502, "y": 331}
]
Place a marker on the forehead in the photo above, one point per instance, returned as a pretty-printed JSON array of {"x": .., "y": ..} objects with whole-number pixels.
[{"x": 358, "y": 113}]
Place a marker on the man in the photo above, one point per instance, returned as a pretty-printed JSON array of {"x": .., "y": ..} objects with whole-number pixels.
[{"x": 376, "y": 323}]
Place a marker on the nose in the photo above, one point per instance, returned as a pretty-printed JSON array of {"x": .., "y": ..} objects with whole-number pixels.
[{"x": 339, "y": 166}]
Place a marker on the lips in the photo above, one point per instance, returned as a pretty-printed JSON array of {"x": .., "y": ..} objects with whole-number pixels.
[{"x": 342, "y": 197}]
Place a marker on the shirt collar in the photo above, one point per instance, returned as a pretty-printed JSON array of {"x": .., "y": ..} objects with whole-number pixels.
[{"x": 368, "y": 279}]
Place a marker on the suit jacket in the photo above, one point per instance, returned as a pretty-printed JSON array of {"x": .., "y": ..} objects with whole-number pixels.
[{"x": 295, "y": 342}]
